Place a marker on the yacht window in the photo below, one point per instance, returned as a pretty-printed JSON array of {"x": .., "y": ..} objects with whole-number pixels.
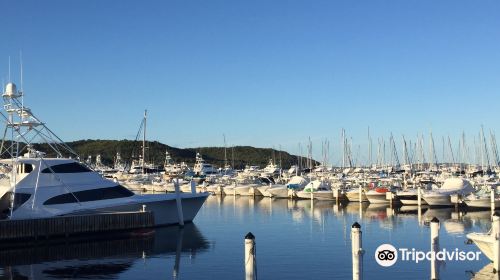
[
  {"x": 19, "y": 199},
  {"x": 90, "y": 195},
  {"x": 24, "y": 168},
  {"x": 72, "y": 167},
  {"x": 28, "y": 168}
]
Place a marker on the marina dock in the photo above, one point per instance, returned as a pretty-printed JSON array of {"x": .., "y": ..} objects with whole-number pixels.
[{"x": 73, "y": 225}]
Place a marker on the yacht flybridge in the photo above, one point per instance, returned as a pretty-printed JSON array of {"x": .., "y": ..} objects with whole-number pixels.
[{"x": 37, "y": 185}]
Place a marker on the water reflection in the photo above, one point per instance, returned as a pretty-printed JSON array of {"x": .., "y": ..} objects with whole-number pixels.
[
  {"x": 106, "y": 258},
  {"x": 455, "y": 222},
  {"x": 322, "y": 219}
]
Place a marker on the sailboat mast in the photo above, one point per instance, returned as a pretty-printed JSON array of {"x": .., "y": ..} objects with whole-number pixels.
[
  {"x": 225, "y": 151},
  {"x": 144, "y": 143}
]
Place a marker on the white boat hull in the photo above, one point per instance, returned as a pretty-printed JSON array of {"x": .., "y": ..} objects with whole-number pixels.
[
  {"x": 438, "y": 200},
  {"x": 481, "y": 203},
  {"x": 229, "y": 190},
  {"x": 320, "y": 195},
  {"x": 484, "y": 242},
  {"x": 353, "y": 196},
  {"x": 376, "y": 198},
  {"x": 279, "y": 192},
  {"x": 164, "y": 210}
]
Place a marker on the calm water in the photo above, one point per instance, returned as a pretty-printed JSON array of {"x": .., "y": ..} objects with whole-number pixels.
[{"x": 295, "y": 240}]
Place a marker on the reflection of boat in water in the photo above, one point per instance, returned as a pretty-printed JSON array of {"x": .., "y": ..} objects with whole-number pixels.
[
  {"x": 267, "y": 204},
  {"x": 481, "y": 219},
  {"x": 454, "y": 226},
  {"x": 317, "y": 209},
  {"x": 99, "y": 258},
  {"x": 411, "y": 209},
  {"x": 354, "y": 207},
  {"x": 442, "y": 214},
  {"x": 376, "y": 212}
]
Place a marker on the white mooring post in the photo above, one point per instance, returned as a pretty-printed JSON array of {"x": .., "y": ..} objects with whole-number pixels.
[
  {"x": 357, "y": 252},
  {"x": 419, "y": 195},
  {"x": 419, "y": 215},
  {"x": 495, "y": 231},
  {"x": 193, "y": 186},
  {"x": 250, "y": 258},
  {"x": 434, "y": 247},
  {"x": 178, "y": 200},
  {"x": 492, "y": 200}
]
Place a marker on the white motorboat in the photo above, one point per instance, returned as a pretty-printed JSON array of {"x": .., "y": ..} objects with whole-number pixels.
[
  {"x": 451, "y": 186},
  {"x": 247, "y": 189},
  {"x": 317, "y": 190},
  {"x": 352, "y": 194},
  {"x": 377, "y": 195},
  {"x": 409, "y": 197},
  {"x": 486, "y": 241},
  {"x": 482, "y": 198},
  {"x": 229, "y": 189},
  {"x": 284, "y": 191},
  {"x": 278, "y": 191},
  {"x": 201, "y": 168}
]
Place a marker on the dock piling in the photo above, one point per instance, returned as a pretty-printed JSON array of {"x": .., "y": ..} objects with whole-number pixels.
[
  {"x": 193, "y": 186},
  {"x": 492, "y": 200},
  {"x": 250, "y": 258},
  {"x": 357, "y": 252},
  {"x": 178, "y": 200},
  {"x": 419, "y": 196}
]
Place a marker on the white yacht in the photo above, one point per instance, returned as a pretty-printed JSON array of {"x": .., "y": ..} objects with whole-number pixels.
[
  {"x": 451, "y": 186},
  {"x": 201, "y": 168},
  {"x": 34, "y": 186},
  {"x": 283, "y": 191},
  {"x": 352, "y": 194},
  {"x": 270, "y": 170},
  {"x": 488, "y": 242},
  {"x": 482, "y": 198},
  {"x": 409, "y": 197},
  {"x": 48, "y": 187},
  {"x": 377, "y": 195},
  {"x": 319, "y": 189}
]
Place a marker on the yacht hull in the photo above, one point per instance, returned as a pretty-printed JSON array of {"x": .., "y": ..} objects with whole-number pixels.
[
  {"x": 481, "y": 203},
  {"x": 377, "y": 198},
  {"x": 438, "y": 200},
  {"x": 279, "y": 192},
  {"x": 320, "y": 195},
  {"x": 484, "y": 242},
  {"x": 165, "y": 211},
  {"x": 353, "y": 196}
]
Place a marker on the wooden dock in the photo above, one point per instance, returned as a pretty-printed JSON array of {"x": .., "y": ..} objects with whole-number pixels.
[{"x": 74, "y": 225}]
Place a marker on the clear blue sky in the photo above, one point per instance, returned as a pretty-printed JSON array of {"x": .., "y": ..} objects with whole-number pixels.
[{"x": 265, "y": 73}]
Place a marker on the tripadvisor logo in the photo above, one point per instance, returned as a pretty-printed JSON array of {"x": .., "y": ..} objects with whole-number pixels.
[{"x": 387, "y": 255}]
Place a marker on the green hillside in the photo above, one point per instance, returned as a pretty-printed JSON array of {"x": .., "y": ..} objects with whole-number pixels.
[{"x": 155, "y": 152}]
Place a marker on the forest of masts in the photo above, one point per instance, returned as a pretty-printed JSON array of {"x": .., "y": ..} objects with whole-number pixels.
[{"x": 404, "y": 153}]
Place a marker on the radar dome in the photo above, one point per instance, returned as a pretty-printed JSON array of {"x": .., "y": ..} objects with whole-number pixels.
[{"x": 10, "y": 89}]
